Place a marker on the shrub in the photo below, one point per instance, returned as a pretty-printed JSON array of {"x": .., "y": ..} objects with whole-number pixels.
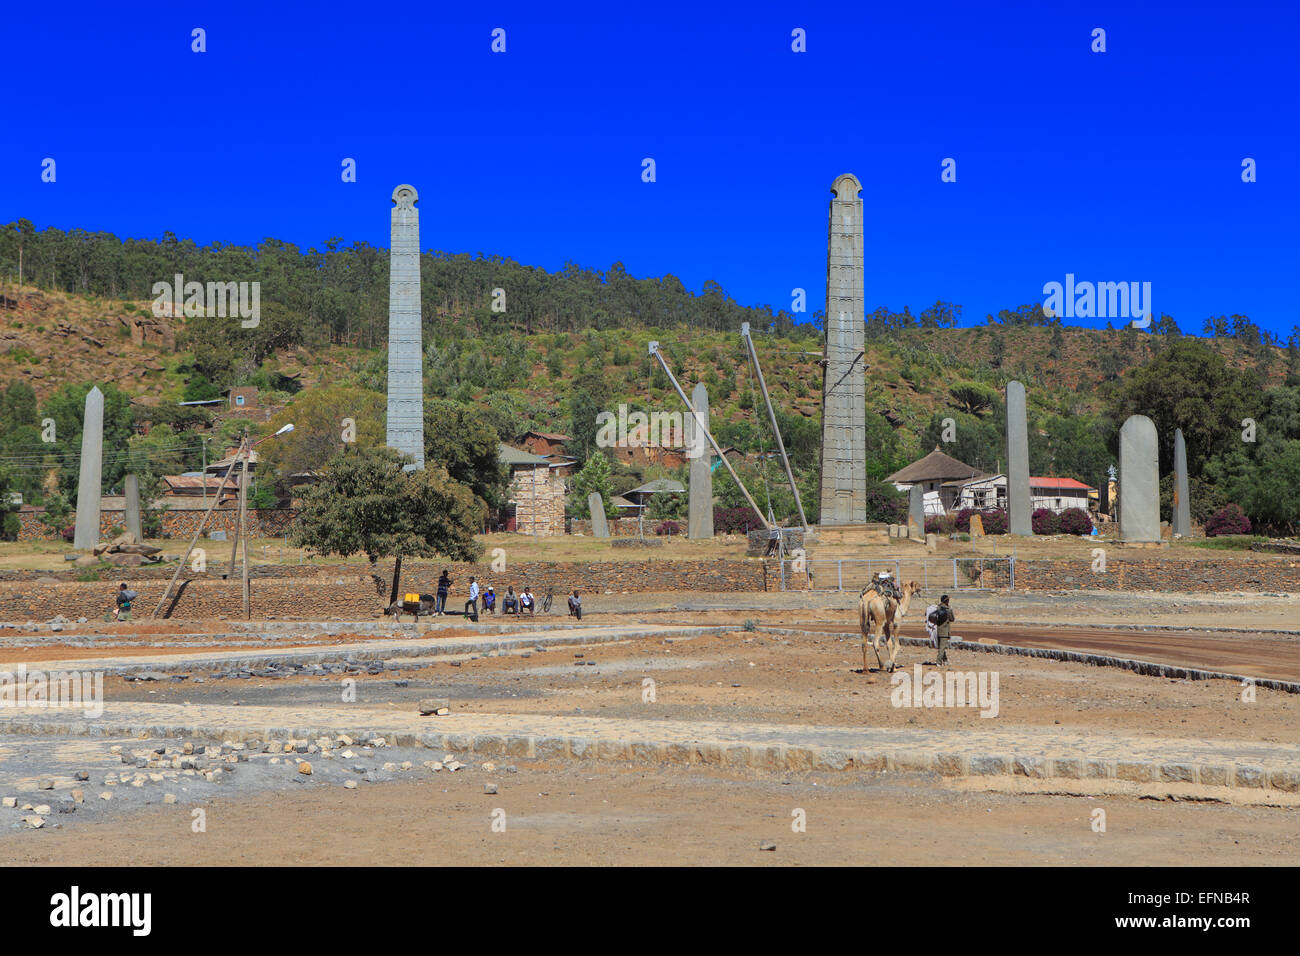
[
  {"x": 734, "y": 520},
  {"x": 1045, "y": 521},
  {"x": 941, "y": 524},
  {"x": 1075, "y": 521},
  {"x": 995, "y": 521},
  {"x": 668, "y": 527},
  {"x": 1229, "y": 519}
]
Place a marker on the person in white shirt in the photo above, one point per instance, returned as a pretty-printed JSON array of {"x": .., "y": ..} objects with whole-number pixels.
[
  {"x": 471, "y": 606},
  {"x": 526, "y": 602}
]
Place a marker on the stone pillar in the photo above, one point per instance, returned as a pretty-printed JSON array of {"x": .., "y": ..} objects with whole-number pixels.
[
  {"x": 699, "y": 521},
  {"x": 599, "y": 526},
  {"x": 89, "y": 486},
  {"x": 1182, "y": 524},
  {"x": 1139, "y": 481},
  {"x": 844, "y": 416},
  {"x": 916, "y": 512},
  {"x": 405, "y": 348},
  {"x": 1020, "y": 502},
  {"x": 132, "y": 492}
]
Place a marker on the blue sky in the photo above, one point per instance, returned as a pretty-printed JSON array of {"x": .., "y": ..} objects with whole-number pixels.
[{"x": 1115, "y": 166}]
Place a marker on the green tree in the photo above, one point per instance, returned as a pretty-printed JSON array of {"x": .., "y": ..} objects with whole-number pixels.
[
  {"x": 58, "y": 512},
  {"x": 594, "y": 476},
  {"x": 365, "y": 503},
  {"x": 460, "y": 438},
  {"x": 320, "y": 416},
  {"x": 1190, "y": 386},
  {"x": 589, "y": 397}
]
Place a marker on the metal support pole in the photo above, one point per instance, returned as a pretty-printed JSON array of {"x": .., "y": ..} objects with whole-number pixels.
[
  {"x": 771, "y": 416},
  {"x": 699, "y": 423},
  {"x": 839, "y": 572}
]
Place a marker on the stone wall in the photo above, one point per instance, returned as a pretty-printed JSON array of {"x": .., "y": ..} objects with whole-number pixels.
[
  {"x": 538, "y": 496},
  {"x": 291, "y": 592},
  {"x": 267, "y": 523}
]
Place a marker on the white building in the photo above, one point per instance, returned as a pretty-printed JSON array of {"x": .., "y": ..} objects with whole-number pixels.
[{"x": 990, "y": 491}]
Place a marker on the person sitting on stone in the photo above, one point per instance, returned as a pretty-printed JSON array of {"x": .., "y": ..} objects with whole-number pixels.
[
  {"x": 575, "y": 606},
  {"x": 510, "y": 602},
  {"x": 526, "y": 602},
  {"x": 490, "y": 600}
]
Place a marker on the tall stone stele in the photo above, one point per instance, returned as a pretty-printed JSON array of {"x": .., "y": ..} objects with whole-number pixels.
[
  {"x": 699, "y": 516},
  {"x": 596, "y": 505},
  {"x": 916, "y": 512},
  {"x": 1139, "y": 481},
  {"x": 405, "y": 347},
  {"x": 1020, "y": 502},
  {"x": 844, "y": 383},
  {"x": 132, "y": 491},
  {"x": 1182, "y": 525},
  {"x": 89, "y": 484}
]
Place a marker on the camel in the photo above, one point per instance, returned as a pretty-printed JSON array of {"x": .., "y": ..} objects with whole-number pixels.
[{"x": 877, "y": 616}]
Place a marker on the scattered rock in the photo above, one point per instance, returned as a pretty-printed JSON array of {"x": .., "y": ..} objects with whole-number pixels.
[
  {"x": 349, "y": 785},
  {"x": 489, "y": 788},
  {"x": 767, "y": 845},
  {"x": 34, "y": 822},
  {"x": 82, "y": 774},
  {"x": 78, "y": 795},
  {"x": 45, "y": 783},
  {"x": 304, "y": 767},
  {"x": 434, "y": 705},
  {"x": 10, "y": 801},
  {"x": 169, "y": 798},
  {"x": 106, "y": 796}
]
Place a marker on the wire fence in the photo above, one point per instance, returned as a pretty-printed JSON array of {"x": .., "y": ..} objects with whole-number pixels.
[{"x": 854, "y": 574}]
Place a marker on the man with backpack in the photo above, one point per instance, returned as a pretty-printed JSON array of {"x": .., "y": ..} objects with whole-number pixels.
[
  {"x": 942, "y": 618},
  {"x": 123, "y": 600}
]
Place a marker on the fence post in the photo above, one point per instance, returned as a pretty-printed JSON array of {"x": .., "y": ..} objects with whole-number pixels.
[
  {"x": 839, "y": 573},
  {"x": 781, "y": 563},
  {"x": 1011, "y": 574}
]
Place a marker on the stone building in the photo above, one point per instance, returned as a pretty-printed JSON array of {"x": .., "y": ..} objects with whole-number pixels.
[{"x": 536, "y": 496}]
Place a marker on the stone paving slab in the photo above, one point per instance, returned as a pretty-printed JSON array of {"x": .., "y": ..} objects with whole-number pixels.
[
  {"x": 1027, "y": 752},
  {"x": 410, "y": 647}
]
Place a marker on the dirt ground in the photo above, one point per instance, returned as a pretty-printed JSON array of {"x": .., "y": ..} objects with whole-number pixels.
[
  {"x": 589, "y": 813},
  {"x": 571, "y": 815}
]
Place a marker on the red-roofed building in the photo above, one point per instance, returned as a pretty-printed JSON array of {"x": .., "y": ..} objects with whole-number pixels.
[{"x": 990, "y": 491}]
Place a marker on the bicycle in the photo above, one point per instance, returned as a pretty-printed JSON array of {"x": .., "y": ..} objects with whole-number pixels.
[{"x": 546, "y": 602}]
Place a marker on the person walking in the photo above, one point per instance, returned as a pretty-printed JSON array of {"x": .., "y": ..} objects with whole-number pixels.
[
  {"x": 471, "y": 606},
  {"x": 942, "y": 619},
  {"x": 122, "y": 601},
  {"x": 444, "y": 585}
]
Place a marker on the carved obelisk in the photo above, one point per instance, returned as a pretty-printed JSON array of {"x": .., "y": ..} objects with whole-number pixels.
[
  {"x": 844, "y": 421},
  {"x": 86, "y": 532},
  {"x": 405, "y": 348}
]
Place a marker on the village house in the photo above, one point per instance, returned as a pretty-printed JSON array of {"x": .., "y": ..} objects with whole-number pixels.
[{"x": 536, "y": 496}]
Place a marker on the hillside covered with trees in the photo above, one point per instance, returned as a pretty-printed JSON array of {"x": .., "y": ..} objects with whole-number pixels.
[{"x": 574, "y": 342}]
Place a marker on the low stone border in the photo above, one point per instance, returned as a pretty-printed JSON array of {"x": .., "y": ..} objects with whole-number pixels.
[
  {"x": 1146, "y": 668},
  {"x": 723, "y": 754}
]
